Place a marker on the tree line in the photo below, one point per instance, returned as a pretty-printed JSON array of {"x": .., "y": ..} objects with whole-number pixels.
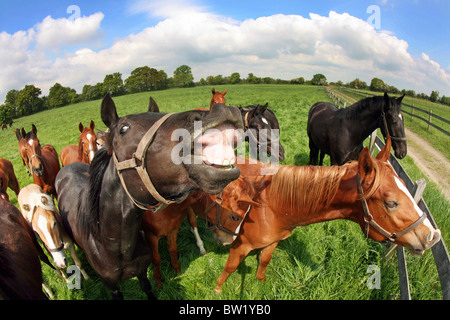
[{"x": 27, "y": 101}]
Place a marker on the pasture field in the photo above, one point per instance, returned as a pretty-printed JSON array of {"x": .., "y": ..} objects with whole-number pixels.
[{"x": 321, "y": 261}]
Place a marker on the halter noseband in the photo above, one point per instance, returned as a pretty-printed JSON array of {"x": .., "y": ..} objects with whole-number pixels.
[
  {"x": 384, "y": 123},
  {"x": 139, "y": 156},
  {"x": 370, "y": 222}
]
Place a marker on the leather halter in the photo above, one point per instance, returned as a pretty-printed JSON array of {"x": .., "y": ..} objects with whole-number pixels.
[
  {"x": 370, "y": 222},
  {"x": 218, "y": 202},
  {"x": 384, "y": 123},
  {"x": 138, "y": 162}
]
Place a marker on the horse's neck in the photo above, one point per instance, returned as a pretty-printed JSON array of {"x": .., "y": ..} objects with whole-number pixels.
[
  {"x": 368, "y": 118},
  {"x": 119, "y": 218}
]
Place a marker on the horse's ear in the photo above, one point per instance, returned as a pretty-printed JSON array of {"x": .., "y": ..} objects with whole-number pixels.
[
  {"x": 108, "y": 111},
  {"x": 152, "y": 106},
  {"x": 399, "y": 99},
  {"x": 366, "y": 168},
  {"x": 33, "y": 129},
  {"x": 244, "y": 197},
  {"x": 92, "y": 125},
  {"x": 80, "y": 127},
  {"x": 225, "y": 92},
  {"x": 23, "y": 132},
  {"x": 262, "y": 109},
  {"x": 384, "y": 154},
  {"x": 386, "y": 101},
  {"x": 18, "y": 134},
  {"x": 213, "y": 91}
]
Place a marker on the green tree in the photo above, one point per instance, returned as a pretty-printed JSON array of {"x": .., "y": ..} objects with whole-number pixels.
[
  {"x": 146, "y": 79},
  {"x": 377, "y": 85},
  {"x": 319, "y": 80},
  {"x": 28, "y": 100},
  {"x": 182, "y": 77},
  {"x": 113, "y": 84},
  {"x": 59, "y": 96},
  {"x": 434, "y": 96},
  {"x": 235, "y": 78}
]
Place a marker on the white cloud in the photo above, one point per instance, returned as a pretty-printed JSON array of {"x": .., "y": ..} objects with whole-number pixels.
[{"x": 341, "y": 46}]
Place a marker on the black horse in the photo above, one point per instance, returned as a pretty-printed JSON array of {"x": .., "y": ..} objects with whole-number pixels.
[
  {"x": 341, "y": 132},
  {"x": 102, "y": 204},
  {"x": 258, "y": 119},
  {"x": 20, "y": 268}
]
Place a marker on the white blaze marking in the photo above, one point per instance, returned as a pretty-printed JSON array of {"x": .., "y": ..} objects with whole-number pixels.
[
  {"x": 400, "y": 116},
  {"x": 89, "y": 136},
  {"x": 265, "y": 120},
  {"x": 30, "y": 142},
  {"x": 42, "y": 224},
  {"x": 239, "y": 226}
]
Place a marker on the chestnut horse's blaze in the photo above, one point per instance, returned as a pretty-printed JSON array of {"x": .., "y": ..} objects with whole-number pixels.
[{"x": 299, "y": 196}]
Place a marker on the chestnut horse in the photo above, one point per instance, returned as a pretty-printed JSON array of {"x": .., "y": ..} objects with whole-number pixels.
[
  {"x": 102, "y": 204},
  {"x": 8, "y": 177},
  {"x": 87, "y": 146},
  {"x": 20, "y": 268},
  {"x": 367, "y": 191},
  {"x": 218, "y": 97},
  {"x": 20, "y": 135},
  {"x": 41, "y": 213},
  {"x": 43, "y": 161}
]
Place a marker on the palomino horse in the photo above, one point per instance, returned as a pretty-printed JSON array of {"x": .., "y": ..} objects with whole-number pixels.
[
  {"x": 340, "y": 132},
  {"x": 20, "y": 268},
  {"x": 87, "y": 146},
  {"x": 43, "y": 216},
  {"x": 258, "y": 122},
  {"x": 102, "y": 205},
  {"x": 8, "y": 177},
  {"x": 367, "y": 191},
  {"x": 43, "y": 161}
]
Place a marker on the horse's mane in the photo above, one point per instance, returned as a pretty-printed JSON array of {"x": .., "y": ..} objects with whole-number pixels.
[
  {"x": 311, "y": 188},
  {"x": 89, "y": 221},
  {"x": 352, "y": 112}
]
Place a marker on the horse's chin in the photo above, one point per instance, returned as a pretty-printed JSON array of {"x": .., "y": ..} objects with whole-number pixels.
[{"x": 213, "y": 178}]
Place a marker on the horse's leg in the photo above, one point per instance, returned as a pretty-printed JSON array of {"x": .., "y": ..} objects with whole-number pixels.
[
  {"x": 321, "y": 156},
  {"x": 115, "y": 292},
  {"x": 313, "y": 153},
  {"x": 156, "y": 257},
  {"x": 71, "y": 248},
  {"x": 145, "y": 285},
  {"x": 192, "y": 218},
  {"x": 234, "y": 259},
  {"x": 173, "y": 249},
  {"x": 264, "y": 259}
]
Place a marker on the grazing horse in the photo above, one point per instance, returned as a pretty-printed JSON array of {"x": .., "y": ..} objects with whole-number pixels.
[
  {"x": 44, "y": 218},
  {"x": 20, "y": 268},
  {"x": 340, "y": 132},
  {"x": 262, "y": 129},
  {"x": 367, "y": 191},
  {"x": 8, "y": 177},
  {"x": 43, "y": 161},
  {"x": 87, "y": 146},
  {"x": 102, "y": 205}
]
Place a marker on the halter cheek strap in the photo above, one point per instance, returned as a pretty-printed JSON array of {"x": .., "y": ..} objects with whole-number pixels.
[
  {"x": 370, "y": 222},
  {"x": 138, "y": 162}
]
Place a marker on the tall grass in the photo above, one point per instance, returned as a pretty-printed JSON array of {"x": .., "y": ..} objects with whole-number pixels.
[{"x": 321, "y": 261}]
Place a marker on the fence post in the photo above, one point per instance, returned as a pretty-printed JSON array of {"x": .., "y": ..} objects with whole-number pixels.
[
  {"x": 412, "y": 111},
  {"x": 429, "y": 119}
]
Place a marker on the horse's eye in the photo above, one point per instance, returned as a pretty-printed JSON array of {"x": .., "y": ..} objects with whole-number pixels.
[
  {"x": 123, "y": 129},
  {"x": 234, "y": 218},
  {"x": 391, "y": 204}
]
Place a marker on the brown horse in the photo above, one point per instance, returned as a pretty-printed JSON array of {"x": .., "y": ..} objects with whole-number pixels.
[
  {"x": 366, "y": 191},
  {"x": 87, "y": 146},
  {"x": 20, "y": 268},
  {"x": 20, "y": 135},
  {"x": 167, "y": 223},
  {"x": 43, "y": 161},
  {"x": 218, "y": 97},
  {"x": 8, "y": 178},
  {"x": 41, "y": 213}
]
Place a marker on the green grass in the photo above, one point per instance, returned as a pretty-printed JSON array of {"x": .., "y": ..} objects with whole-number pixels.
[{"x": 321, "y": 261}]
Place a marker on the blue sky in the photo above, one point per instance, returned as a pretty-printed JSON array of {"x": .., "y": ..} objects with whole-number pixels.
[{"x": 410, "y": 49}]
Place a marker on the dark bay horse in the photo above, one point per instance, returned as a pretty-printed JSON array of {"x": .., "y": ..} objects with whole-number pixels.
[
  {"x": 259, "y": 120},
  {"x": 102, "y": 204},
  {"x": 366, "y": 191},
  {"x": 43, "y": 161},
  {"x": 8, "y": 177},
  {"x": 86, "y": 148},
  {"x": 340, "y": 132},
  {"x": 20, "y": 267}
]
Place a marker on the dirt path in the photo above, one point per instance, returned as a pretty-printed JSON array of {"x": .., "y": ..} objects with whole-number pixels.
[{"x": 431, "y": 162}]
